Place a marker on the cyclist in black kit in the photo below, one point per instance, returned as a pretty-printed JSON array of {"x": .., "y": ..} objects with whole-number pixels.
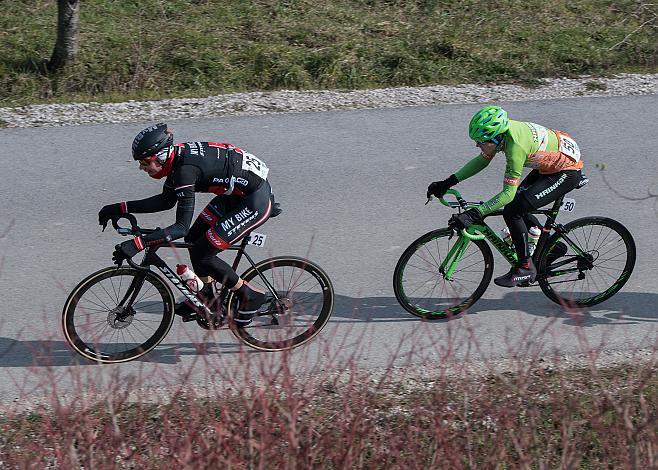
[{"x": 244, "y": 201}]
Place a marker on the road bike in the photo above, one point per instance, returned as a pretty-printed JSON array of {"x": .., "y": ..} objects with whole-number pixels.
[
  {"x": 121, "y": 313},
  {"x": 440, "y": 275}
]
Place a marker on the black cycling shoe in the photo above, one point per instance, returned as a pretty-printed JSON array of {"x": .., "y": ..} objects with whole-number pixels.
[
  {"x": 249, "y": 302},
  {"x": 185, "y": 308},
  {"x": 207, "y": 296},
  {"x": 517, "y": 276},
  {"x": 558, "y": 251}
]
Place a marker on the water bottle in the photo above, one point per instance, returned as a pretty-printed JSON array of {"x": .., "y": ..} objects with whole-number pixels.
[
  {"x": 533, "y": 238},
  {"x": 506, "y": 236},
  {"x": 191, "y": 280}
]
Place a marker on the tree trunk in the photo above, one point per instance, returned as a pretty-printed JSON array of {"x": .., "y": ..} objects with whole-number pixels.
[{"x": 66, "y": 47}]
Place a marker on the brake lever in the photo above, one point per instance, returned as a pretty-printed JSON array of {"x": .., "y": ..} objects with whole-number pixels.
[
  {"x": 453, "y": 229},
  {"x": 134, "y": 228}
]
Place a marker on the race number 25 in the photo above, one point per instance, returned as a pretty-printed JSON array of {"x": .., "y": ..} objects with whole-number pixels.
[{"x": 257, "y": 239}]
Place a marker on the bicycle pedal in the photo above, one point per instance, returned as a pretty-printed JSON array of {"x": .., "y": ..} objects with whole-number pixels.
[{"x": 274, "y": 306}]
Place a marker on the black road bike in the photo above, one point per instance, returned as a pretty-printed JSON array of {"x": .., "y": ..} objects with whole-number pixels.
[
  {"x": 579, "y": 264},
  {"x": 118, "y": 314}
]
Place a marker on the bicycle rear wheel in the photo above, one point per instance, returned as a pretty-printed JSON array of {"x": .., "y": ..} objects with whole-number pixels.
[
  {"x": 423, "y": 291},
  {"x": 99, "y": 328},
  {"x": 577, "y": 281},
  {"x": 306, "y": 300}
]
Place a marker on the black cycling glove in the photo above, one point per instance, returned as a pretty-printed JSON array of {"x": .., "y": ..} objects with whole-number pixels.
[
  {"x": 127, "y": 249},
  {"x": 463, "y": 220},
  {"x": 109, "y": 211},
  {"x": 439, "y": 188}
]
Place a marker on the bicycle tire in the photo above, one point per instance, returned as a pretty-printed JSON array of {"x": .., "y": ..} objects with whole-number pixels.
[
  {"x": 593, "y": 241},
  {"x": 302, "y": 319},
  {"x": 99, "y": 314},
  {"x": 405, "y": 283}
]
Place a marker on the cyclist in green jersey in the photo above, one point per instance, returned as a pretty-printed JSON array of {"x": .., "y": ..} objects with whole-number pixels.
[{"x": 556, "y": 169}]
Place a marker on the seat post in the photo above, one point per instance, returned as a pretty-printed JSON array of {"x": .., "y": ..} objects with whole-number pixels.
[{"x": 558, "y": 203}]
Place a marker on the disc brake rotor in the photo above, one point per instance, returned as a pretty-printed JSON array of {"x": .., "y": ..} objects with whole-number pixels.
[{"x": 120, "y": 317}]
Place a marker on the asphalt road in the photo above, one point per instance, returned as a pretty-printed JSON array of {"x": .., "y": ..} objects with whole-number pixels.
[{"x": 352, "y": 184}]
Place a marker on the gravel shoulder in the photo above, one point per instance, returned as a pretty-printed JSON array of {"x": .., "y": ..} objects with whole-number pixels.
[{"x": 256, "y": 103}]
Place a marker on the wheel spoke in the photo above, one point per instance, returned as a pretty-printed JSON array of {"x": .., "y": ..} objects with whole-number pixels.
[
  {"x": 423, "y": 291},
  {"x": 119, "y": 333},
  {"x": 303, "y": 309},
  {"x": 612, "y": 254}
]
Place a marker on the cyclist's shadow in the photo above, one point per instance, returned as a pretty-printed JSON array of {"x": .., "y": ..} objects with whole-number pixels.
[
  {"x": 623, "y": 308},
  {"x": 54, "y": 353}
]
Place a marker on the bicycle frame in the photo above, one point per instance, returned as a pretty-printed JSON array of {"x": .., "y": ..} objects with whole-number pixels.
[
  {"x": 483, "y": 231},
  {"x": 152, "y": 259}
]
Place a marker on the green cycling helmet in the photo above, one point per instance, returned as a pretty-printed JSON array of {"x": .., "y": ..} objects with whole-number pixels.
[{"x": 488, "y": 123}]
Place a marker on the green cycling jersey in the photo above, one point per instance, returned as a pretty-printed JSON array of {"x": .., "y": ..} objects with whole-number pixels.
[{"x": 525, "y": 144}]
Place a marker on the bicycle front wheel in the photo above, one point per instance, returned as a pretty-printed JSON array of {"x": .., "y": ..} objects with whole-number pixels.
[
  {"x": 608, "y": 258},
  {"x": 101, "y": 326},
  {"x": 306, "y": 300},
  {"x": 424, "y": 291}
]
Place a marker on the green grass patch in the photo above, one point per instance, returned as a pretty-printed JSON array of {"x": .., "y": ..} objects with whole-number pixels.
[{"x": 182, "y": 48}]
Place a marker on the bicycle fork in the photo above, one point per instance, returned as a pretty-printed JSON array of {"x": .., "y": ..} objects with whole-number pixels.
[
  {"x": 452, "y": 258},
  {"x": 124, "y": 309}
]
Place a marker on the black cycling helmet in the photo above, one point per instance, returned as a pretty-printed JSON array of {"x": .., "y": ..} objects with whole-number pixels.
[{"x": 151, "y": 140}]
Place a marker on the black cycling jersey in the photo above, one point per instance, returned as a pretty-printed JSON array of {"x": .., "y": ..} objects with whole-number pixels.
[{"x": 210, "y": 167}]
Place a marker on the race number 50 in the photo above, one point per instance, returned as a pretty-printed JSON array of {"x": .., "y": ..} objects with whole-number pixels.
[{"x": 568, "y": 204}]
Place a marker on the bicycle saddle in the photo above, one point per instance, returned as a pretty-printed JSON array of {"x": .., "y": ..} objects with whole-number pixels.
[
  {"x": 276, "y": 207},
  {"x": 583, "y": 180}
]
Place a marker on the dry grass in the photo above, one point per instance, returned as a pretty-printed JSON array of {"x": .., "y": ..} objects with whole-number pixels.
[{"x": 537, "y": 412}]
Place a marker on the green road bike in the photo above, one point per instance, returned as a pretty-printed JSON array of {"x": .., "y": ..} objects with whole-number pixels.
[{"x": 445, "y": 272}]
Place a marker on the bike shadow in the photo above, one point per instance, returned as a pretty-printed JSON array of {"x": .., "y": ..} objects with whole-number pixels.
[
  {"x": 625, "y": 308},
  {"x": 54, "y": 353}
]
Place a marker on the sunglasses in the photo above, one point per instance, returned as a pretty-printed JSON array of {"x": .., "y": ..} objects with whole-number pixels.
[
  {"x": 147, "y": 161},
  {"x": 495, "y": 140}
]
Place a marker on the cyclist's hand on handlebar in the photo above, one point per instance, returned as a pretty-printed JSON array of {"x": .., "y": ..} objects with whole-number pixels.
[
  {"x": 127, "y": 250},
  {"x": 107, "y": 212},
  {"x": 439, "y": 188},
  {"x": 465, "y": 219}
]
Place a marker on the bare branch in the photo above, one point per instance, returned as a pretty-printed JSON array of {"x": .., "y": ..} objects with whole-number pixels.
[
  {"x": 630, "y": 34},
  {"x": 603, "y": 167}
]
